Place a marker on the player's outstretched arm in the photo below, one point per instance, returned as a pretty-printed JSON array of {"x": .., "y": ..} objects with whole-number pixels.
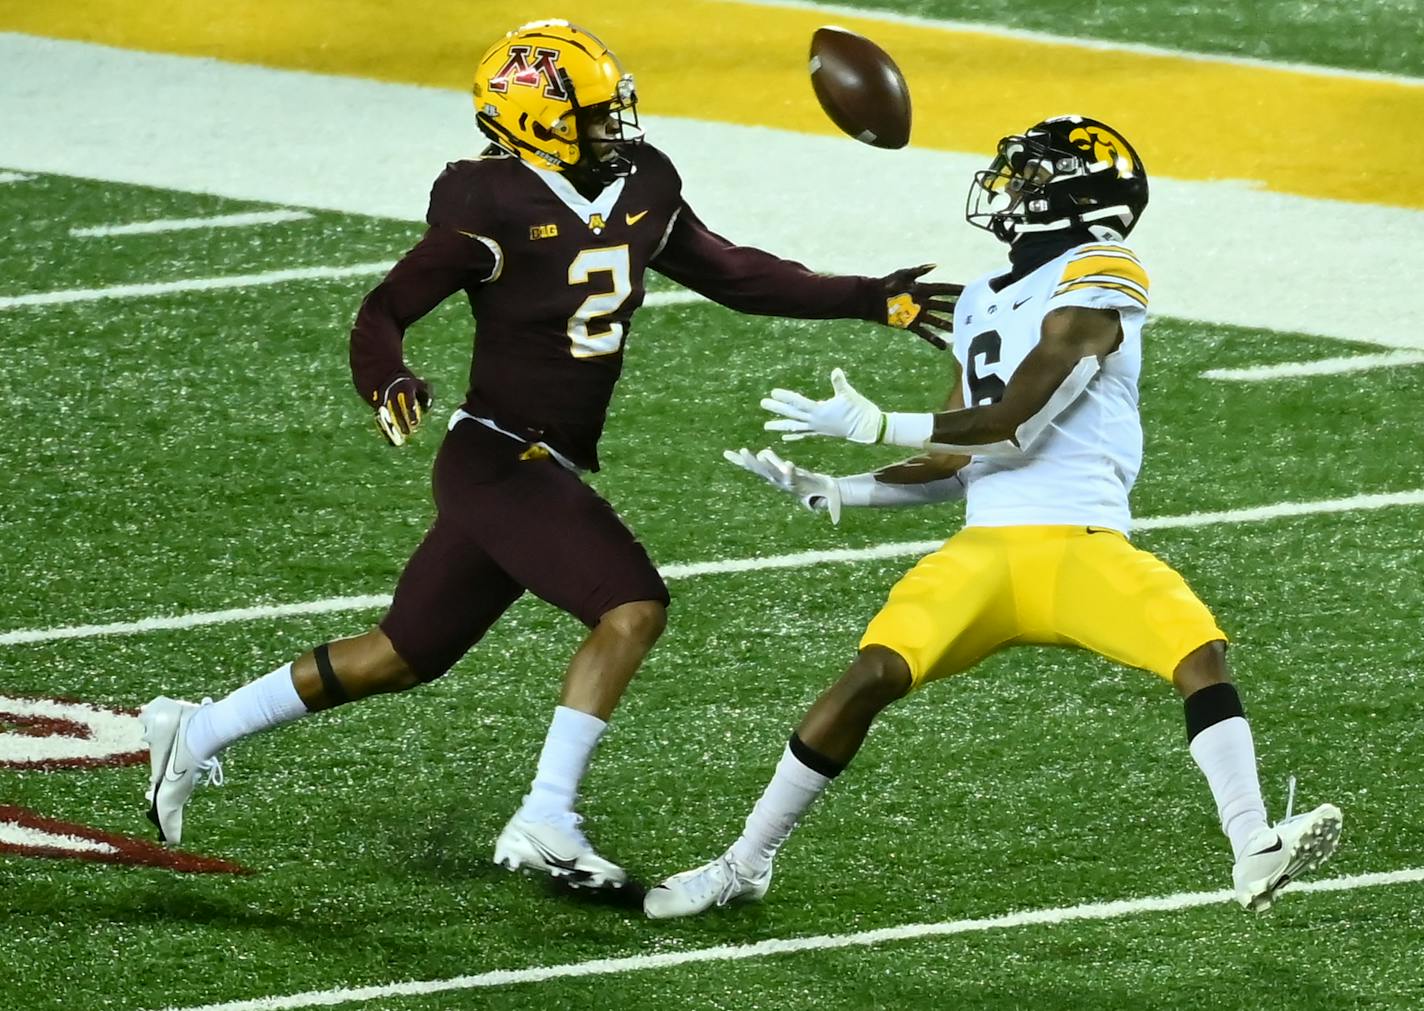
[
  {"x": 755, "y": 281},
  {"x": 1052, "y": 376},
  {"x": 921, "y": 481},
  {"x": 443, "y": 262}
]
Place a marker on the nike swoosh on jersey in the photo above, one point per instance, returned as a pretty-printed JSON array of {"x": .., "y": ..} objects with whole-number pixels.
[
  {"x": 633, "y": 219},
  {"x": 1017, "y": 304}
]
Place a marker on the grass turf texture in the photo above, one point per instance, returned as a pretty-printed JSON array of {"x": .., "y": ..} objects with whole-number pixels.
[
  {"x": 205, "y": 450},
  {"x": 1379, "y": 35}
]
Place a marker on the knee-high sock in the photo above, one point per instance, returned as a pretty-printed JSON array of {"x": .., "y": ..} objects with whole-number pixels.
[
  {"x": 1221, "y": 744},
  {"x": 269, "y": 701},
  {"x": 567, "y": 749},
  {"x": 800, "y": 777}
]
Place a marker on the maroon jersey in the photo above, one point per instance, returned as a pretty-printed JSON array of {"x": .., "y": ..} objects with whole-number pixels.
[{"x": 553, "y": 281}]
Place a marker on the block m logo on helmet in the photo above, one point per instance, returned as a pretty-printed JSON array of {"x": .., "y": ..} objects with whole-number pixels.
[{"x": 521, "y": 71}]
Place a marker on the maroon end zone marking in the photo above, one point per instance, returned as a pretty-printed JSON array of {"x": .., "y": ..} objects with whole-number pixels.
[
  {"x": 42, "y": 726},
  {"x": 126, "y": 849},
  {"x": 32, "y": 725}
]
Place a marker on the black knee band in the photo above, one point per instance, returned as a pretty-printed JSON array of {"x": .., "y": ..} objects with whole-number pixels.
[
  {"x": 1211, "y": 705},
  {"x": 813, "y": 759},
  {"x": 330, "y": 686}
]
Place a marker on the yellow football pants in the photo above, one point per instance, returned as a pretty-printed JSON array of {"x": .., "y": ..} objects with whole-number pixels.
[{"x": 991, "y": 587}]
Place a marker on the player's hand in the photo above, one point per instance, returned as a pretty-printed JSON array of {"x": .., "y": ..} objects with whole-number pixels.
[
  {"x": 921, "y": 307},
  {"x": 847, "y": 415},
  {"x": 400, "y": 406},
  {"x": 815, "y": 492}
]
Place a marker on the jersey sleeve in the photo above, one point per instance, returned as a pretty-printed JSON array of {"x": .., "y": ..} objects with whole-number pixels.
[
  {"x": 451, "y": 256},
  {"x": 1102, "y": 276},
  {"x": 754, "y": 281}
]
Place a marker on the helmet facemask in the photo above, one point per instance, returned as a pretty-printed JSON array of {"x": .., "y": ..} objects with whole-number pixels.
[
  {"x": 1065, "y": 173},
  {"x": 605, "y": 132}
]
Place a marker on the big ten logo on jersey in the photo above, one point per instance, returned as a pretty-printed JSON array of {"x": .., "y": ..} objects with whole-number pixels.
[
  {"x": 59, "y": 735},
  {"x": 596, "y": 224},
  {"x": 520, "y": 70},
  {"x": 543, "y": 231}
]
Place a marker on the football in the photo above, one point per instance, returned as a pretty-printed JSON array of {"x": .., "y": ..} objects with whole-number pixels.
[{"x": 859, "y": 86}]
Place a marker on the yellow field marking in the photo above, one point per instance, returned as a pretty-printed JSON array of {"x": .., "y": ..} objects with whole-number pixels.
[{"x": 1311, "y": 134}]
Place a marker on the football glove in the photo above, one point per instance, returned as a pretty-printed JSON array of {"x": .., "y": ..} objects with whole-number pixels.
[
  {"x": 400, "y": 407},
  {"x": 918, "y": 306},
  {"x": 815, "y": 492},
  {"x": 847, "y": 415}
]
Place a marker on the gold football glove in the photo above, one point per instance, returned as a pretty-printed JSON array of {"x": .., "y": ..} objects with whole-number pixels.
[
  {"x": 918, "y": 306},
  {"x": 400, "y": 407}
]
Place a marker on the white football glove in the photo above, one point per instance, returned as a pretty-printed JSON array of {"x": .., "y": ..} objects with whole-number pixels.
[
  {"x": 847, "y": 415},
  {"x": 815, "y": 492}
]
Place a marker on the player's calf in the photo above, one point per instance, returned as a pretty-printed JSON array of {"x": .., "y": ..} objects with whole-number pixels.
[
  {"x": 836, "y": 724},
  {"x": 350, "y": 669}
]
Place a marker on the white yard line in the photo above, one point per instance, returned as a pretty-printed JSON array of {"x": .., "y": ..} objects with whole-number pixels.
[
  {"x": 719, "y": 566},
  {"x": 148, "y": 290},
  {"x": 786, "y": 946},
  {"x": 1100, "y": 45},
  {"x": 14, "y": 177},
  {"x": 1320, "y": 367},
  {"x": 193, "y": 224}
]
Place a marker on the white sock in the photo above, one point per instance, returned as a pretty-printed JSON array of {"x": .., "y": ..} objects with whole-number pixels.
[
  {"x": 269, "y": 701},
  {"x": 567, "y": 748},
  {"x": 792, "y": 790},
  {"x": 1226, "y": 756}
]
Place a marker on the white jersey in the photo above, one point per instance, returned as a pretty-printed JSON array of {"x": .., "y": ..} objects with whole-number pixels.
[{"x": 1081, "y": 469}]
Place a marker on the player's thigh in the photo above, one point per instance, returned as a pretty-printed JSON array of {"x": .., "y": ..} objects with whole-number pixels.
[
  {"x": 448, "y": 596},
  {"x": 1128, "y": 605},
  {"x": 558, "y": 538},
  {"x": 951, "y": 610}
]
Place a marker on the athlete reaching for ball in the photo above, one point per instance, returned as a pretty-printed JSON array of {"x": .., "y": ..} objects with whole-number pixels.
[
  {"x": 1042, "y": 435},
  {"x": 548, "y": 233}
]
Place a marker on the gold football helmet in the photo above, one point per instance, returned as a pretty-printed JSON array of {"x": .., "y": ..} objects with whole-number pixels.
[{"x": 549, "y": 91}]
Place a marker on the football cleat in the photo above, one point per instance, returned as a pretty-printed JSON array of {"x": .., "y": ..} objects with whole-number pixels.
[
  {"x": 1276, "y": 856},
  {"x": 557, "y": 848},
  {"x": 713, "y": 884},
  {"x": 173, "y": 771}
]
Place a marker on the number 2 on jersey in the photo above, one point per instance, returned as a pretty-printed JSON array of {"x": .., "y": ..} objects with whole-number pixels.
[{"x": 612, "y": 260}]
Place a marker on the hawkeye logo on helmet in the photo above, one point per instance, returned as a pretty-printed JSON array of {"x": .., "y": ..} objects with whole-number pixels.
[
  {"x": 520, "y": 70},
  {"x": 1101, "y": 146}
]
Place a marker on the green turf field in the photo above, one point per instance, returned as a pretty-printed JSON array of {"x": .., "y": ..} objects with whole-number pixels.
[{"x": 201, "y": 451}]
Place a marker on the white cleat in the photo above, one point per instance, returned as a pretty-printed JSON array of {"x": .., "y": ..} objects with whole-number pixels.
[
  {"x": 173, "y": 772},
  {"x": 713, "y": 884},
  {"x": 557, "y": 848},
  {"x": 1277, "y": 856}
]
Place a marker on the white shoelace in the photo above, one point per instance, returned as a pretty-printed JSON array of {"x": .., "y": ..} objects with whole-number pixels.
[{"x": 210, "y": 772}]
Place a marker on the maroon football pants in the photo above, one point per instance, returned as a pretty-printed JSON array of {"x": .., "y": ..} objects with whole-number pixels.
[{"x": 504, "y": 525}]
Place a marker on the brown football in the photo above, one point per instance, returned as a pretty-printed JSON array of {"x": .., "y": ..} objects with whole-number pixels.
[{"x": 860, "y": 87}]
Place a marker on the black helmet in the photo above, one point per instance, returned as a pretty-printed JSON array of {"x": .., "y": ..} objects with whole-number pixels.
[{"x": 1066, "y": 172}]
